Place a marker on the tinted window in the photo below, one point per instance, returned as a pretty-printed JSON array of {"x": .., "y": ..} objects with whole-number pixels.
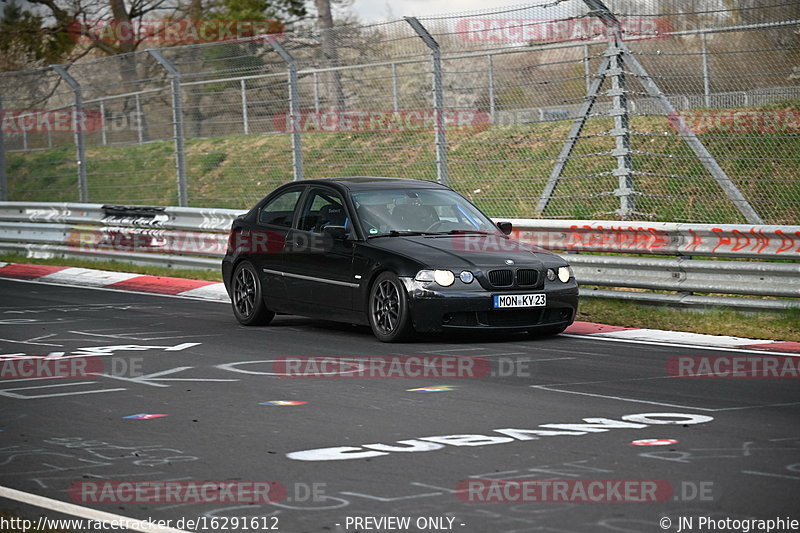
[
  {"x": 280, "y": 210},
  {"x": 323, "y": 207},
  {"x": 420, "y": 210}
]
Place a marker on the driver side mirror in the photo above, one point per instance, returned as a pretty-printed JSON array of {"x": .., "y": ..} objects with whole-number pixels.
[
  {"x": 505, "y": 227},
  {"x": 337, "y": 233}
]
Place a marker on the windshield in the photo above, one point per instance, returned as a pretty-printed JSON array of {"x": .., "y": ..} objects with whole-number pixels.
[{"x": 418, "y": 211}]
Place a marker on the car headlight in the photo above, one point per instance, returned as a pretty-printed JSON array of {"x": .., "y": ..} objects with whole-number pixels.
[
  {"x": 466, "y": 276},
  {"x": 551, "y": 274},
  {"x": 445, "y": 278},
  {"x": 424, "y": 276},
  {"x": 564, "y": 273}
]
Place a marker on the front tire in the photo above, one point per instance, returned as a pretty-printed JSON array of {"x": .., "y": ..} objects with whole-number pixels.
[
  {"x": 388, "y": 310},
  {"x": 247, "y": 299}
]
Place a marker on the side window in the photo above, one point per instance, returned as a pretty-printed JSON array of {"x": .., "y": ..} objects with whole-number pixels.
[
  {"x": 323, "y": 207},
  {"x": 280, "y": 210}
]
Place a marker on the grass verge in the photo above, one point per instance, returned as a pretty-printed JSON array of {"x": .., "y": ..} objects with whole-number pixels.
[
  {"x": 778, "y": 325},
  {"x": 502, "y": 169}
]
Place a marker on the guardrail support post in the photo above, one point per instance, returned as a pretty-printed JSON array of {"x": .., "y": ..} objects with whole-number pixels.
[
  {"x": 83, "y": 188},
  {"x": 177, "y": 124},
  {"x": 439, "y": 125},
  {"x": 294, "y": 109}
]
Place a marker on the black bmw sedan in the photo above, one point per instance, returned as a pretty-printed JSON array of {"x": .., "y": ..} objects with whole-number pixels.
[{"x": 401, "y": 255}]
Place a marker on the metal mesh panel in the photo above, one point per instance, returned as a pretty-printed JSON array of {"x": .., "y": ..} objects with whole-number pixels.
[
  {"x": 232, "y": 94},
  {"x": 46, "y": 146},
  {"x": 131, "y": 154}
]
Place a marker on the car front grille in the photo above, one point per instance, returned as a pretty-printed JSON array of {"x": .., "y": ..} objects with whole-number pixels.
[
  {"x": 507, "y": 318},
  {"x": 501, "y": 278},
  {"x": 527, "y": 277}
]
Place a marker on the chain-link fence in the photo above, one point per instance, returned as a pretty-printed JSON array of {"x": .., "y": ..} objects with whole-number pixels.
[{"x": 665, "y": 110}]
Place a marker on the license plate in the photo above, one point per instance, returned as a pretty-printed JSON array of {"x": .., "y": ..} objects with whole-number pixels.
[{"x": 503, "y": 301}]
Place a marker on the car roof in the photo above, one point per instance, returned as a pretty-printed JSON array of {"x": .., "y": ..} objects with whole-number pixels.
[{"x": 359, "y": 183}]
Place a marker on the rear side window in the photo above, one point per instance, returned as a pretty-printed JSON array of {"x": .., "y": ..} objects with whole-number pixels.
[
  {"x": 323, "y": 207},
  {"x": 280, "y": 210}
]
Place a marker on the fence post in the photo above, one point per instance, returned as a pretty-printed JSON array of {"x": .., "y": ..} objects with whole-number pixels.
[
  {"x": 621, "y": 131},
  {"x": 245, "y": 120},
  {"x": 706, "y": 73},
  {"x": 177, "y": 124},
  {"x": 294, "y": 109},
  {"x": 3, "y": 183},
  {"x": 587, "y": 71},
  {"x": 139, "y": 131},
  {"x": 316, "y": 92},
  {"x": 83, "y": 189},
  {"x": 438, "y": 99},
  {"x": 103, "y": 122},
  {"x": 395, "y": 94},
  {"x": 492, "y": 108}
]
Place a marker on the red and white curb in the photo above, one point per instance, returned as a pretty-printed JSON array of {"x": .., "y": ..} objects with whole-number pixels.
[
  {"x": 87, "y": 277},
  {"x": 215, "y": 291},
  {"x": 680, "y": 338}
]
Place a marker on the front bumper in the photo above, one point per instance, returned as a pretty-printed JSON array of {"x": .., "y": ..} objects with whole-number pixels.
[{"x": 437, "y": 310}]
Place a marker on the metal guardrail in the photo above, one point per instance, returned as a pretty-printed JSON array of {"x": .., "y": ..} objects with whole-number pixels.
[
  {"x": 181, "y": 237},
  {"x": 744, "y": 241}
]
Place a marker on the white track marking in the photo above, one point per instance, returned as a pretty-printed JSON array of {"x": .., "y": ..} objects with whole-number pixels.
[
  {"x": 83, "y": 512},
  {"x": 622, "y": 399},
  {"x": 689, "y": 346},
  {"x": 87, "y": 277}
]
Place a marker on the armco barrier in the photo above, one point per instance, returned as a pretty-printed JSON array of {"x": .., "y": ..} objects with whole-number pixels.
[
  {"x": 664, "y": 238},
  {"x": 183, "y": 237}
]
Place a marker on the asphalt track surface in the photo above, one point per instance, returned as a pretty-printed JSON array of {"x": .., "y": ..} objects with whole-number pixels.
[{"x": 194, "y": 363}]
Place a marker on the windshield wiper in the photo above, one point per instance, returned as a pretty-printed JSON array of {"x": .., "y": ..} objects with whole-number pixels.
[
  {"x": 460, "y": 232},
  {"x": 467, "y": 232},
  {"x": 403, "y": 233}
]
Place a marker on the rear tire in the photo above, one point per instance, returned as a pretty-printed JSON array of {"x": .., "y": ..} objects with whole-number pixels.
[
  {"x": 389, "y": 315},
  {"x": 247, "y": 299}
]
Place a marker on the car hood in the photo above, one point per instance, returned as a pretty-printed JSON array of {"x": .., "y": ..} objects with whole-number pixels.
[{"x": 472, "y": 252}]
